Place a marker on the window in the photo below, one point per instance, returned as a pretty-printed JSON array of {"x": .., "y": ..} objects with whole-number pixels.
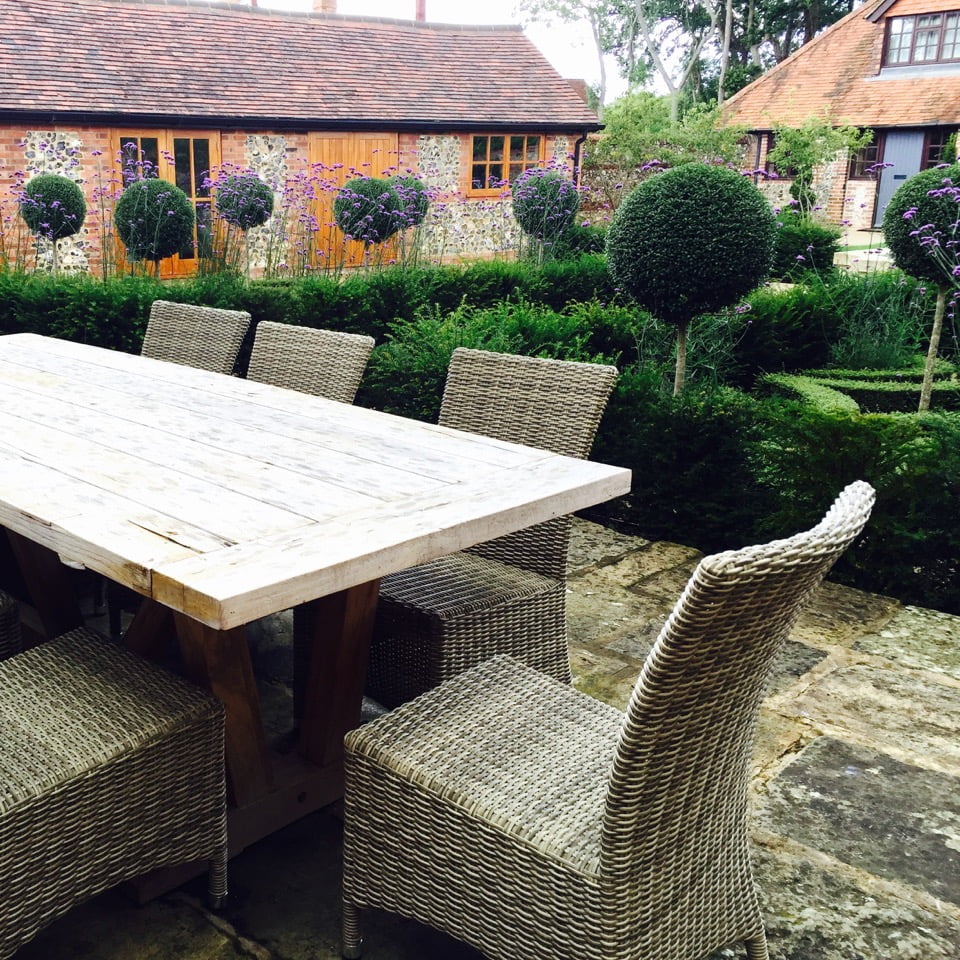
[
  {"x": 925, "y": 38},
  {"x": 863, "y": 162},
  {"x": 185, "y": 159},
  {"x": 497, "y": 159},
  {"x": 784, "y": 172},
  {"x": 934, "y": 147}
]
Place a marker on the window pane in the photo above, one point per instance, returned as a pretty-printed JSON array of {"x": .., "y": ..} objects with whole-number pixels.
[
  {"x": 201, "y": 167},
  {"x": 928, "y": 39},
  {"x": 901, "y": 37},
  {"x": 496, "y": 148},
  {"x": 951, "y": 38},
  {"x": 204, "y": 230},
  {"x": 495, "y": 176},
  {"x": 479, "y": 176},
  {"x": 516, "y": 148},
  {"x": 515, "y": 170},
  {"x": 181, "y": 160},
  {"x": 479, "y": 148},
  {"x": 533, "y": 149},
  {"x": 150, "y": 152}
]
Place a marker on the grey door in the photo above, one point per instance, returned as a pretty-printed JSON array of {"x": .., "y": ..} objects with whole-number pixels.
[{"x": 904, "y": 150}]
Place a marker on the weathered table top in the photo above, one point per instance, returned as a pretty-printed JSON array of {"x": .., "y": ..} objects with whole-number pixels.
[{"x": 227, "y": 500}]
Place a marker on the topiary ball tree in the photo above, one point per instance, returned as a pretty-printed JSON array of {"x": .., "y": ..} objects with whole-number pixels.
[
  {"x": 154, "y": 219},
  {"x": 53, "y": 206},
  {"x": 244, "y": 200},
  {"x": 414, "y": 199},
  {"x": 688, "y": 241},
  {"x": 368, "y": 209},
  {"x": 545, "y": 204},
  {"x": 921, "y": 226}
]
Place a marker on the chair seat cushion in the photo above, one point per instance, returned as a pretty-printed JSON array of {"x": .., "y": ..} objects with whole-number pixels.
[
  {"x": 510, "y": 747},
  {"x": 460, "y": 584}
]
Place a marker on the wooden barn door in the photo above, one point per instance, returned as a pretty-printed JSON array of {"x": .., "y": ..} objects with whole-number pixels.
[{"x": 336, "y": 158}]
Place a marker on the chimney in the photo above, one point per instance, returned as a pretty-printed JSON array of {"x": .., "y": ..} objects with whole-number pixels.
[
  {"x": 421, "y": 10},
  {"x": 324, "y": 6}
]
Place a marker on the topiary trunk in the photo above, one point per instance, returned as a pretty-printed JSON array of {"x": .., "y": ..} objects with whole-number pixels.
[
  {"x": 680, "y": 370},
  {"x": 927, "y": 389}
]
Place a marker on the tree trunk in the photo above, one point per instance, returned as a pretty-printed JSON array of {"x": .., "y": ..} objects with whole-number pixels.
[
  {"x": 725, "y": 51},
  {"x": 938, "y": 315},
  {"x": 681, "y": 368}
]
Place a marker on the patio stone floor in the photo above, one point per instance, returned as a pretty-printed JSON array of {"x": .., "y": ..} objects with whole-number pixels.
[{"x": 856, "y": 791}]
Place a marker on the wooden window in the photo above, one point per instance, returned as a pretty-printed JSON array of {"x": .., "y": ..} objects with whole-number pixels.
[
  {"x": 863, "y": 162},
  {"x": 934, "y": 147},
  {"x": 924, "y": 38},
  {"x": 184, "y": 158},
  {"x": 497, "y": 159},
  {"x": 785, "y": 173}
]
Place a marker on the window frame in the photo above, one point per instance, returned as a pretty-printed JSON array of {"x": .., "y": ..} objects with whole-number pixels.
[
  {"x": 789, "y": 174},
  {"x": 916, "y": 31},
  {"x": 865, "y": 157},
  {"x": 503, "y": 185},
  {"x": 933, "y": 146}
]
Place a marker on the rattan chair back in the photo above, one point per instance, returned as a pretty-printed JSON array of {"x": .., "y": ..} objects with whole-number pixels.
[
  {"x": 208, "y": 338},
  {"x": 677, "y": 795},
  {"x": 325, "y": 363},
  {"x": 555, "y": 405}
]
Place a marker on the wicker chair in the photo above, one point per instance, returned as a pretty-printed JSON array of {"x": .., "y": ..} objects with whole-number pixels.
[
  {"x": 109, "y": 768},
  {"x": 325, "y": 363},
  {"x": 204, "y": 337},
  {"x": 10, "y": 639},
  {"x": 532, "y": 821},
  {"x": 506, "y": 595}
]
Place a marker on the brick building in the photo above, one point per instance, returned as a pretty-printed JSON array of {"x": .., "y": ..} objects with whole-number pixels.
[{"x": 100, "y": 90}]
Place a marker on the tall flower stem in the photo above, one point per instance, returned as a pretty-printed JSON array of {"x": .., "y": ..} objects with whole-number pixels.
[{"x": 927, "y": 389}]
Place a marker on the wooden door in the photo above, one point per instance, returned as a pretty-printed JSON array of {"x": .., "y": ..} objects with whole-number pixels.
[
  {"x": 337, "y": 158},
  {"x": 185, "y": 158}
]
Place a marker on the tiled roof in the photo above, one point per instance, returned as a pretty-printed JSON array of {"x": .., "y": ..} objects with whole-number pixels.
[
  {"x": 216, "y": 61},
  {"x": 837, "y": 76}
]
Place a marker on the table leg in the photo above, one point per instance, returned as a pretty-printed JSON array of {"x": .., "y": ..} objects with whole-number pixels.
[
  {"x": 47, "y": 581},
  {"x": 340, "y": 627},
  {"x": 220, "y": 661}
]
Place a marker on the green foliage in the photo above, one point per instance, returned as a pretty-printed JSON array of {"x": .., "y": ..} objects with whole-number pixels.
[
  {"x": 368, "y": 209},
  {"x": 53, "y": 206},
  {"x": 414, "y": 198},
  {"x": 154, "y": 219},
  {"x": 545, "y": 204},
  {"x": 244, "y": 200},
  {"x": 920, "y": 203},
  {"x": 638, "y": 130},
  {"x": 691, "y": 240},
  {"x": 802, "y": 149},
  {"x": 803, "y": 245},
  {"x": 579, "y": 239}
]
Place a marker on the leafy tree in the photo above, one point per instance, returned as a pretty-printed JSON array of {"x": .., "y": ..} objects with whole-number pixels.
[
  {"x": 689, "y": 241},
  {"x": 244, "y": 200},
  {"x": 802, "y": 149},
  {"x": 921, "y": 226},
  {"x": 154, "y": 219},
  {"x": 53, "y": 207}
]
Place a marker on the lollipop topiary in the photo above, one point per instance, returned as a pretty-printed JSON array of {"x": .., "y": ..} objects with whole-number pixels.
[
  {"x": 154, "y": 219},
  {"x": 921, "y": 226},
  {"x": 53, "y": 207},
  {"x": 368, "y": 209},
  {"x": 690, "y": 240},
  {"x": 545, "y": 204},
  {"x": 244, "y": 200}
]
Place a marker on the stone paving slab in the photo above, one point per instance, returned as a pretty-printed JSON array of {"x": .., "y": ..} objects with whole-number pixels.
[{"x": 856, "y": 790}]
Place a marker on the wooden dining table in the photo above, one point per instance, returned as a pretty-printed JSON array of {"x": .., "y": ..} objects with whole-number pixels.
[{"x": 220, "y": 501}]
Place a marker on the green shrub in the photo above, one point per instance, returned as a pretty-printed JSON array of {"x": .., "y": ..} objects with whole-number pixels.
[
  {"x": 802, "y": 246},
  {"x": 368, "y": 209},
  {"x": 53, "y": 206},
  {"x": 579, "y": 239},
  {"x": 545, "y": 203},
  {"x": 413, "y": 196},
  {"x": 154, "y": 219},
  {"x": 244, "y": 200},
  {"x": 690, "y": 241}
]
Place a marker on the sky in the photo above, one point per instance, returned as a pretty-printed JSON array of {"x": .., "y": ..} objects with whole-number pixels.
[{"x": 568, "y": 47}]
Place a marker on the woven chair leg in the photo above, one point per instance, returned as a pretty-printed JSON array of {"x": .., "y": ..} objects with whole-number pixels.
[
  {"x": 217, "y": 880},
  {"x": 352, "y": 942},
  {"x": 757, "y": 948}
]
